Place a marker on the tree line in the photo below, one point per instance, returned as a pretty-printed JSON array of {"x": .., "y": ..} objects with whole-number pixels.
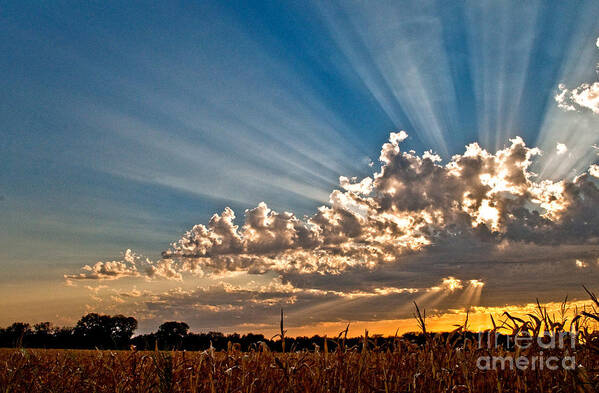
[{"x": 117, "y": 332}]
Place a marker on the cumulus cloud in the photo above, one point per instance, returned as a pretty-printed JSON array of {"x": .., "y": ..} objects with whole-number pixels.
[
  {"x": 416, "y": 228},
  {"x": 413, "y": 203},
  {"x": 132, "y": 265},
  {"x": 585, "y": 96}
]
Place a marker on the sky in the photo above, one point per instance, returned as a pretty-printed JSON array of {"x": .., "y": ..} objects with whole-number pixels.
[{"x": 214, "y": 162}]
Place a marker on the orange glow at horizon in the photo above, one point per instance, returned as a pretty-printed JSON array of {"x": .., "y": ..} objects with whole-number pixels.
[{"x": 478, "y": 320}]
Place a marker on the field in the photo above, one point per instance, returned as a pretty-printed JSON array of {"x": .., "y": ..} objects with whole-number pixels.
[
  {"x": 442, "y": 364},
  {"x": 542, "y": 353}
]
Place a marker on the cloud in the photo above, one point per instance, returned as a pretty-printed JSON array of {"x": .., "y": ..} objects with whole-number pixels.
[
  {"x": 110, "y": 270},
  {"x": 585, "y": 96},
  {"x": 414, "y": 230},
  {"x": 132, "y": 265},
  {"x": 413, "y": 203},
  {"x": 254, "y": 303},
  {"x": 561, "y": 148}
]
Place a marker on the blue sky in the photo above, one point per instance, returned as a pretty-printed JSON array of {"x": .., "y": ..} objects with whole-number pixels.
[{"x": 123, "y": 124}]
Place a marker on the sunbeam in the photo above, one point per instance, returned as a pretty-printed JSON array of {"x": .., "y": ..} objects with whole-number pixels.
[
  {"x": 471, "y": 295},
  {"x": 407, "y": 78},
  {"x": 501, "y": 39},
  {"x": 337, "y": 159}
]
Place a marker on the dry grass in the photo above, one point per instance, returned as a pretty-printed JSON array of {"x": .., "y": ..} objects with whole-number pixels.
[
  {"x": 441, "y": 364},
  {"x": 407, "y": 368}
]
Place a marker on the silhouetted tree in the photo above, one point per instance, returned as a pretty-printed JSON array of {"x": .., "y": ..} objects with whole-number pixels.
[
  {"x": 171, "y": 334},
  {"x": 19, "y": 328},
  {"x": 63, "y": 338},
  {"x": 42, "y": 335},
  {"x": 104, "y": 331},
  {"x": 121, "y": 329},
  {"x": 16, "y": 333},
  {"x": 91, "y": 332},
  {"x": 43, "y": 328}
]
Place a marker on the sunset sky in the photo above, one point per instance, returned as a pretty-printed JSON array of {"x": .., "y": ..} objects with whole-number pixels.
[{"x": 213, "y": 162}]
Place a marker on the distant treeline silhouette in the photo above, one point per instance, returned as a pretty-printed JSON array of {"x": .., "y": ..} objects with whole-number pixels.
[{"x": 116, "y": 332}]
